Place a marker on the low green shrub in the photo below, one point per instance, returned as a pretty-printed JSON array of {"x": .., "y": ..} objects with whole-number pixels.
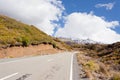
[{"x": 25, "y": 41}]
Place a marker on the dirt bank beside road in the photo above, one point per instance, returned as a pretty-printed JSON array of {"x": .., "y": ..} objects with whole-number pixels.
[{"x": 42, "y": 49}]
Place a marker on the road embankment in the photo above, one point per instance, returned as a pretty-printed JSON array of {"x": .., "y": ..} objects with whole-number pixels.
[{"x": 13, "y": 52}]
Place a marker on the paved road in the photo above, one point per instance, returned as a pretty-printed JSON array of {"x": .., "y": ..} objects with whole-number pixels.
[{"x": 49, "y": 67}]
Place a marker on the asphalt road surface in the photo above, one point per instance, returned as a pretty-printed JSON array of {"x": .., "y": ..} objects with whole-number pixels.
[{"x": 49, "y": 67}]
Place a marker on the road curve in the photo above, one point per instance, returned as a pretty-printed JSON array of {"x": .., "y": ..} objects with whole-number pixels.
[{"x": 49, "y": 67}]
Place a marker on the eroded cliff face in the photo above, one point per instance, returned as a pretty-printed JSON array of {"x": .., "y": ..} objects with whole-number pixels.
[{"x": 12, "y": 52}]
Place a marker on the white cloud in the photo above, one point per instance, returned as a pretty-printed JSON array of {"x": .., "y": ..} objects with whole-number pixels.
[
  {"x": 108, "y": 6},
  {"x": 40, "y": 13},
  {"x": 84, "y": 26}
]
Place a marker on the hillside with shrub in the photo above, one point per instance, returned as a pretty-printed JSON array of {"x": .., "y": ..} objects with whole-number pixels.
[
  {"x": 107, "y": 53},
  {"x": 16, "y": 33}
]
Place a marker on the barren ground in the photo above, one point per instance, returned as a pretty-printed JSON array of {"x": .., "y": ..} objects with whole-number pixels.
[{"x": 27, "y": 51}]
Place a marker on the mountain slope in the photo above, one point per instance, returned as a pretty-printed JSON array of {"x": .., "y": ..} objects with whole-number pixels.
[{"x": 15, "y": 33}]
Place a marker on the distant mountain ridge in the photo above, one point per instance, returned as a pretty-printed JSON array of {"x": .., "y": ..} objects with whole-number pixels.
[{"x": 78, "y": 41}]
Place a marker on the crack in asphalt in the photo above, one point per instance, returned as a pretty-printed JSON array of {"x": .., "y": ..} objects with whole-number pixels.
[{"x": 23, "y": 77}]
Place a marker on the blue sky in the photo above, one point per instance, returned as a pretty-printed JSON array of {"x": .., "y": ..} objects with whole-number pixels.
[{"x": 89, "y": 5}]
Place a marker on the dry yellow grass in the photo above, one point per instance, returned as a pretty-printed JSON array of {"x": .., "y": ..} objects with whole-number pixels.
[{"x": 92, "y": 68}]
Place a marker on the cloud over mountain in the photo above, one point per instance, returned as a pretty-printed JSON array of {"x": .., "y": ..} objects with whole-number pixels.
[{"x": 84, "y": 26}]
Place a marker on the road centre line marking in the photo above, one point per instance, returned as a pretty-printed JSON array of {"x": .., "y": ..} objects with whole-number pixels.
[
  {"x": 9, "y": 76},
  {"x": 10, "y": 61},
  {"x": 50, "y": 60}
]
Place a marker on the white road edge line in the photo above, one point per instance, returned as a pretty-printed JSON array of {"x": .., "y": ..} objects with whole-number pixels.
[
  {"x": 71, "y": 68},
  {"x": 9, "y": 76}
]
